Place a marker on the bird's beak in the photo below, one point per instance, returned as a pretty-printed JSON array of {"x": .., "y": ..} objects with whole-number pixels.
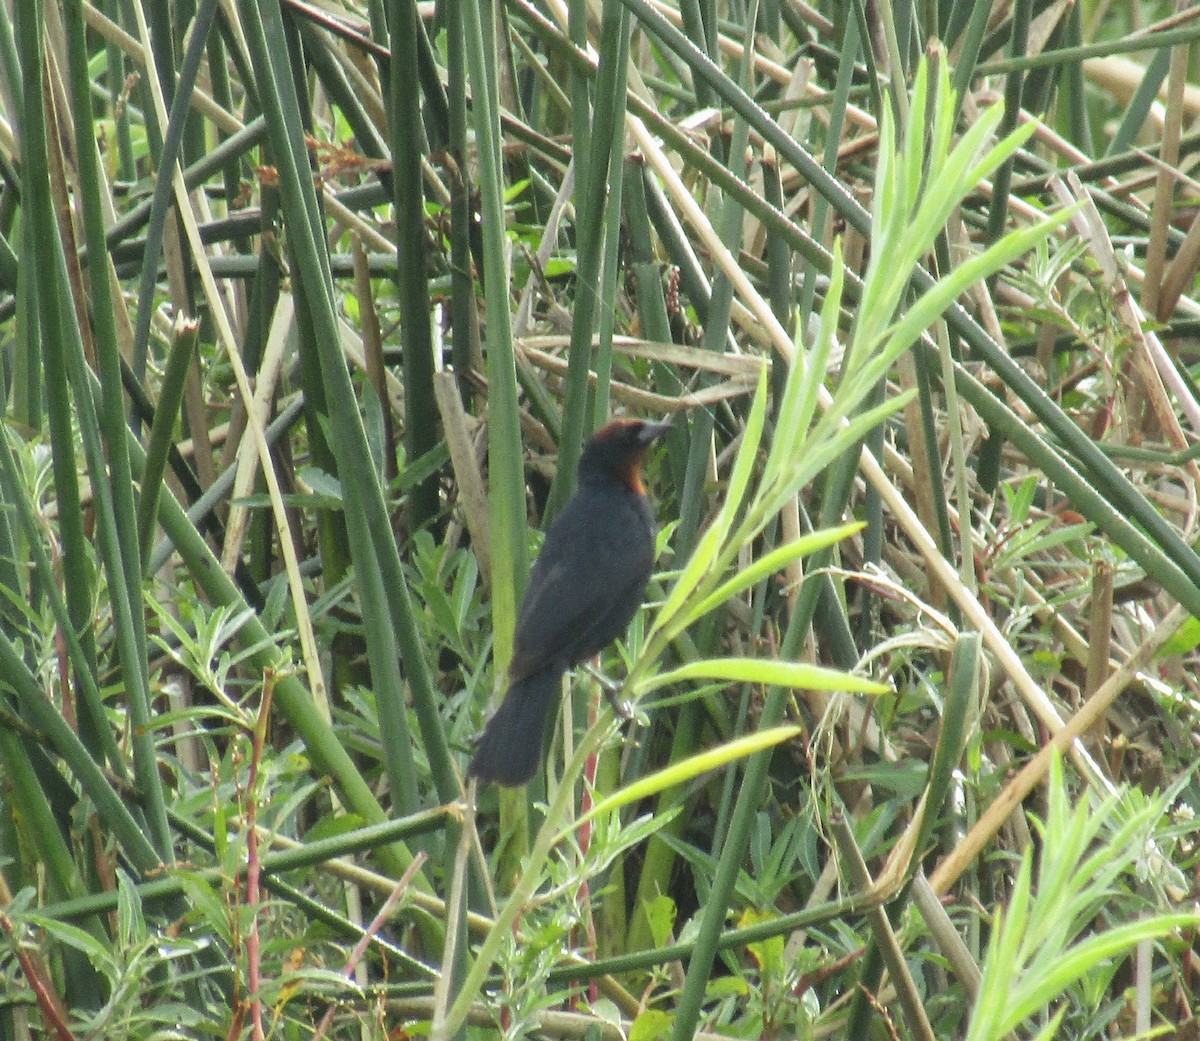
[{"x": 651, "y": 432}]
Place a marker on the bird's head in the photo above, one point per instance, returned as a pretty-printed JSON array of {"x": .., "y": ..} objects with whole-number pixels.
[{"x": 617, "y": 448}]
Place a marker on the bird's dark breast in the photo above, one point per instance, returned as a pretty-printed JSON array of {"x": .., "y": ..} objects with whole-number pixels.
[{"x": 588, "y": 581}]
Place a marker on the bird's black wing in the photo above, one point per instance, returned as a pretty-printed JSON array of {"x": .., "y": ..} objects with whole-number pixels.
[{"x": 586, "y": 585}]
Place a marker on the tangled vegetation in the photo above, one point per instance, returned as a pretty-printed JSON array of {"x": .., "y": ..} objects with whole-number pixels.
[{"x": 306, "y": 311}]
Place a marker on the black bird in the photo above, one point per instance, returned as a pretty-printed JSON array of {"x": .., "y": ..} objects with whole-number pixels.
[{"x": 585, "y": 586}]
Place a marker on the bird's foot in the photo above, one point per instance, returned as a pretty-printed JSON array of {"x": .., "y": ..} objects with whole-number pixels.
[
  {"x": 612, "y": 693},
  {"x": 623, "y": 709}
]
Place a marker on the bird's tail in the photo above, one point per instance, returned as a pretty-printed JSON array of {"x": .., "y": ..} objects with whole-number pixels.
[{"x": 511, "y": 747}]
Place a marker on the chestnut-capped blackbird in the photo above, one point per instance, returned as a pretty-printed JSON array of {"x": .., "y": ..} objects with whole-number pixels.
[{"x": 585, "y": 586}]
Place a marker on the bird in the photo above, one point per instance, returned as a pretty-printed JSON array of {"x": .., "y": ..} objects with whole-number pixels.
[{"x": 585, "y": 586}]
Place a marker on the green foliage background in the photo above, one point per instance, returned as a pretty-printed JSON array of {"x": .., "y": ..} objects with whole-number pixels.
[{"x": 306, "y": 312}]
